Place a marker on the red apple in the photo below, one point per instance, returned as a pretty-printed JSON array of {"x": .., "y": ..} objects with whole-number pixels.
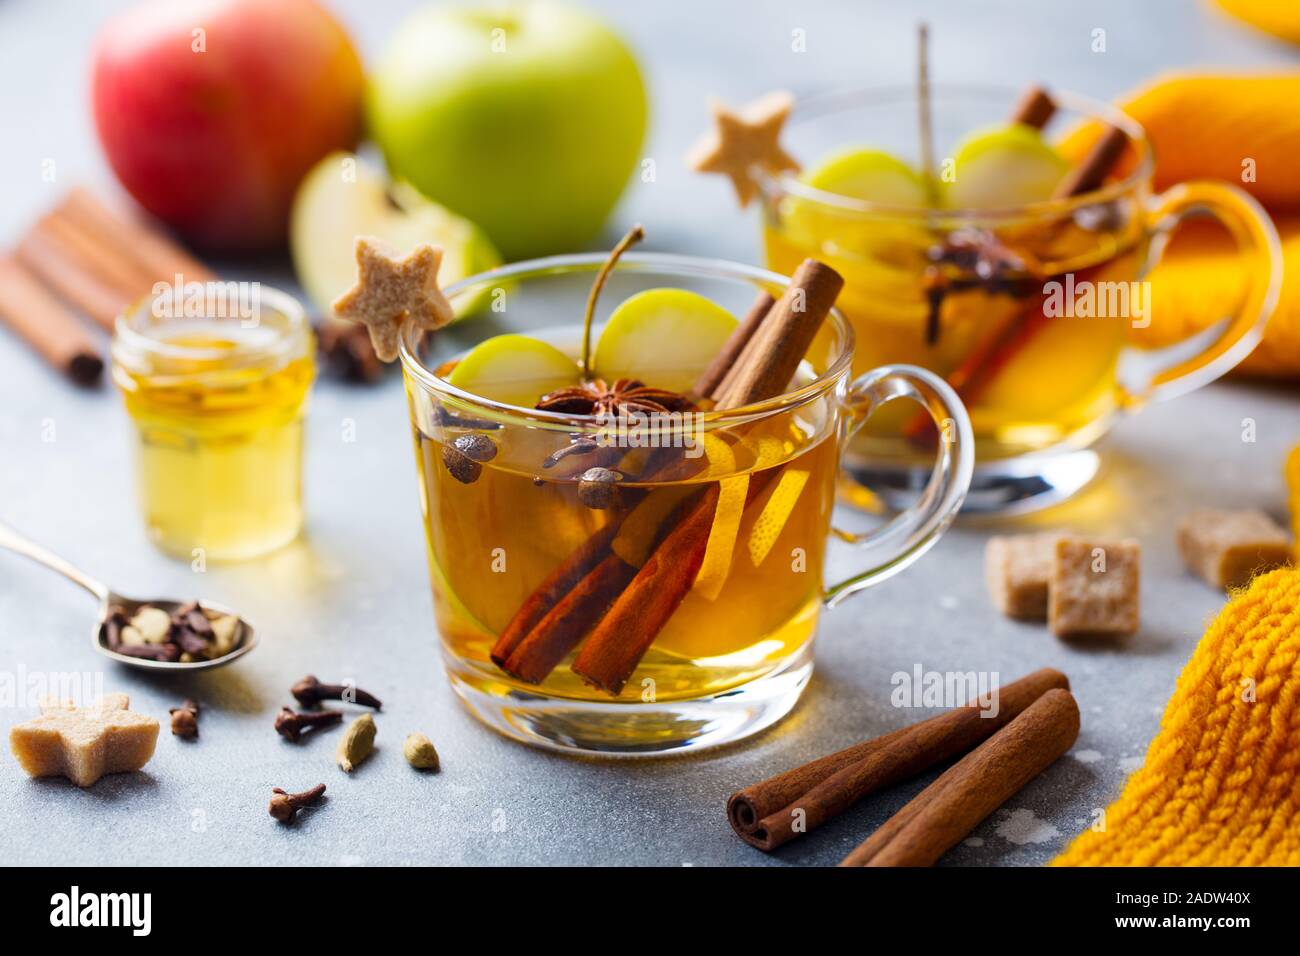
[{"x": 211, "y": 111}]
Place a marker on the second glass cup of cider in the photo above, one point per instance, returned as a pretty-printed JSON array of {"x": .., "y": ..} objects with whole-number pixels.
[
  {"x": 650, "y": 581},
  {"x": 1028, "y": 305}
]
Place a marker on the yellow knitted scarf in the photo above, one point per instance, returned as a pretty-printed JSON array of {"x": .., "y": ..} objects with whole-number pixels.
[{"x": 1221, "y": 782}]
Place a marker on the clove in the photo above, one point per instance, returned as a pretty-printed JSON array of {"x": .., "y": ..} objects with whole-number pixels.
[
  {"x": 290, "y": 725},
  {"x": 285, "y": 806},
  {"x": 309, "y": 692},
  {"x": 185, "y": 719}
]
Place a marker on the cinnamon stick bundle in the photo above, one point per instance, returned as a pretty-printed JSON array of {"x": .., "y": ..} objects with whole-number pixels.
[
  {"x": 947, "y": 810},
  {"x": 767, "y": 814},
  {"x": 36, "y": 315},
  {"x": 100, "y": 261}
]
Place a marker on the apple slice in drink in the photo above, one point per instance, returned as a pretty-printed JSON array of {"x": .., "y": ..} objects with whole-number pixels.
[
  {"x": 871, "y": 175},
  {"x": 664, "y": 338},
  {"x": 342, "y": 198},
  {"x": 514, "y": 369},
  {"x": 867, "y": 242},
  {"x": 1003, "y": 167}
]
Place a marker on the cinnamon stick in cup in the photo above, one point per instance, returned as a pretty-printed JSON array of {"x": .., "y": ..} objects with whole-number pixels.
[
  {"x": 622, "y": 636},
  {"x": 951, "y": 807},
  {"x": 766, "y": 814},
  {"x": 774, "y": 353},
  {"x": 707, "y": 386},
  {"x": 1096, "y": 165},
  {"x": 36, "y": 315},
  {"x": 1035, "y": 108}
]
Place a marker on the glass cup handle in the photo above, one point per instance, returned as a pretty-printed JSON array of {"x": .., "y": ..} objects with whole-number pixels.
[
  {"x": 1156, "y": 374},
  {"x": 910, "y": 534}
]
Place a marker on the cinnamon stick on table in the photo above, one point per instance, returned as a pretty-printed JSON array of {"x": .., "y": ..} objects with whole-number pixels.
[
  {"x": 36, "y": 315},
  {"x": 951, "y": 807},
  {"x": 774, "y": 812}
]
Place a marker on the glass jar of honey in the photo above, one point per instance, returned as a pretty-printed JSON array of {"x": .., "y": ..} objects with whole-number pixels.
[{"x": 216, "y": 385}]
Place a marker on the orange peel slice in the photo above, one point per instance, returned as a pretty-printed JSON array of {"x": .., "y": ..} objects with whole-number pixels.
[{"x": 776, "y": 505}]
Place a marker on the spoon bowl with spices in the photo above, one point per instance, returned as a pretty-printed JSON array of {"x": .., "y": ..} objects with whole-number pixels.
[{"x": 159, "y": 634}]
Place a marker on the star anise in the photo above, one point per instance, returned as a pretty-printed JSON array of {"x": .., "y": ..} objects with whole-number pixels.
[{"x": 626, "y": 396}]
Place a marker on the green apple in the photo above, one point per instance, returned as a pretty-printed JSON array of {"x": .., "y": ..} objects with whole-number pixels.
[
  {"x": 872, "y": 175},
  {"x": 663, "y": 337},
  {"x": 527, "y": 119},
  {"x": 1003, "y": 167},
  {"x": 514, "y": 369},
  {"x": 342, "y": 198}
]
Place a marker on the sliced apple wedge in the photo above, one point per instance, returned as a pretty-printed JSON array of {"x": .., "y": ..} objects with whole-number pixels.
[
  {"x": 514, "y": 369},
  {"x": 342, "y": 197},
  {"x": 663, "y": 337},
  {"x": 871, "y": 175},
  {"x": 1003, "y": 167}
]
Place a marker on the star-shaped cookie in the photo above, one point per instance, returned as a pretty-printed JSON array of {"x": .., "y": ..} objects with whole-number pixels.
[
  {"x": 390, "y": 288},
  {"x": 745, "y": 139},
  {"x": 84, "y": 743}
]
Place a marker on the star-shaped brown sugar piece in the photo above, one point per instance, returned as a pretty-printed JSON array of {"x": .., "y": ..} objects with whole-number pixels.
[
  {"x": 390, "y": 288},
  {"x": 84, "y": 743},
  {"x": 744, "y": 140}
]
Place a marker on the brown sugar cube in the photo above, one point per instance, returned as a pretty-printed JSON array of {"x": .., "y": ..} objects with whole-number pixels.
[
  {"x": 1017, "y": 569},
  {"x": 84, "y": 743},
  {"x": 1094, "y": 587},
  {"x": 1228, "y": 548}
]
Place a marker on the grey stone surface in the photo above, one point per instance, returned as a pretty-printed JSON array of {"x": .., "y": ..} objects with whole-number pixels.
[{"x": 351, "y": 597}]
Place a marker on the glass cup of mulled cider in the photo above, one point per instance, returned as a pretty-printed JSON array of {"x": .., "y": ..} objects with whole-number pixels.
[
  {"x": 1005, "y": 272},
  {"x": 627, "y": 559}
]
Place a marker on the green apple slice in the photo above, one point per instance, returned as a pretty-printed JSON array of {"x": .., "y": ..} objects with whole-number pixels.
[
  {"x": 871, "y": 175},
  {"x": 663, "y": 337},
  {"x": 514, "y": 369},
  {"x": 342, "y": 197},
  {"x": 1002, "y": 167}
]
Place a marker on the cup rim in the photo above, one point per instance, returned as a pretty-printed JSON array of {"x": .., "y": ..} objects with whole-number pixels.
[
  {"x": 827, "y": 102},
  {"x": 126, "y": 338},
  {"x": 649, "y": 262}
]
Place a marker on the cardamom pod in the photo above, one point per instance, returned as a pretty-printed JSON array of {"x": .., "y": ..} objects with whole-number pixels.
[
  {"x": 419, "y": 752},
  {"x": 358, "y": 742}
]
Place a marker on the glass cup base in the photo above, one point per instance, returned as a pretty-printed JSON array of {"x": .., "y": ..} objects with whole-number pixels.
[
  {"x": 1011, "y": 487},
  {"x": 637, "y": 729}
]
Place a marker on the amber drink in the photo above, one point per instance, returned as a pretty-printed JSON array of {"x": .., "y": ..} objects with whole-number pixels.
[{"x": 714, "y": 530}]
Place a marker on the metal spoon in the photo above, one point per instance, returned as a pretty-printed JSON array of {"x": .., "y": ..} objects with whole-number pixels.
[{"x": 108, "y": 599}]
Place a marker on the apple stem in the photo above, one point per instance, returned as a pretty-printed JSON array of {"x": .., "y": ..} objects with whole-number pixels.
[
  {"x": 634, "y": 235},
  {"x": 923, "y": 104}
]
